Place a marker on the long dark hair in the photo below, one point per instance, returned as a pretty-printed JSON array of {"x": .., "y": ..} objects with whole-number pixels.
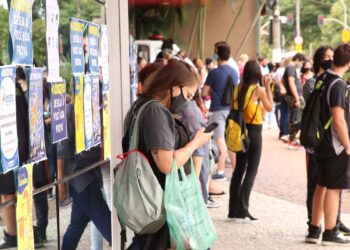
[
  {"x": 251, "y": 76},
  {"x": 319, "y": 57},
  {"x": 175, "y": 73}
]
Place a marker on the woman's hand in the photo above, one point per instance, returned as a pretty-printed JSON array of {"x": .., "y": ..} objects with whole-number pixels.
[
  {"x": 267, "y": 81},
  {"x": 201, "y": 138}
]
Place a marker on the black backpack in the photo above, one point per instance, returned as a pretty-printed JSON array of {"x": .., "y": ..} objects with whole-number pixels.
[
  {"x": 226, "y": 98},
  {"x": 311, "y": 129}
]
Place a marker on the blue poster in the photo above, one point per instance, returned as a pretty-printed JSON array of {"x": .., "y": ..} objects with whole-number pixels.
[
  {"x": 58, "y": 110},
  {"x": 21, "y": 31},
  {"x": 8, "y": 121},
  {"x": 89, "y": 131},
  {"x": 96, "y": 115},
  {"x": 77, "y": 28},
  {"x": 93, "y": 46},
  {"x": 36, "y": 114}
]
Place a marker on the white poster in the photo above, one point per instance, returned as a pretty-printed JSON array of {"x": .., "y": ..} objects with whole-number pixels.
[
  {"x": 52, "y": 22},
  {"x": 104, "y": 57}
]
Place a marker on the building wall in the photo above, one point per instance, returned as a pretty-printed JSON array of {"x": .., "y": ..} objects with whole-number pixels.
[{"x": 220, "y": 16}]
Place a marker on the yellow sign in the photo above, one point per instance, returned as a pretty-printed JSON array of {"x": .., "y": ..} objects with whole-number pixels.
[
  {"x": 25, "y": 238},
  {"x": 106, "y": 126},
  {"x": 299, "y": 48},
  {"x": 345, "y": 36},
  {"x": 79, "y": 114}
]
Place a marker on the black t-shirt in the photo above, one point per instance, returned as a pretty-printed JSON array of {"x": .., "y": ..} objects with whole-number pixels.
[
  {"x": 290, "y": 71},
  {"x": 157, "y": 130},
  {"x": 331, "y": 146}
]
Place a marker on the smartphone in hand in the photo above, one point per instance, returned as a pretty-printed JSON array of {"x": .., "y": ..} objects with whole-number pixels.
[{"x": 211, "y": 127}]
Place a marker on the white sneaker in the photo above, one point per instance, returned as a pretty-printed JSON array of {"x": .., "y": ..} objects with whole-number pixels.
[{"x": 212, "y": 204}]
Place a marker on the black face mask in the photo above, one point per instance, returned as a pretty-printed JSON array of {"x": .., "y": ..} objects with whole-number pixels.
[
  {"x": 326, "y": 64},
  {"x": 177, "y": 103}
]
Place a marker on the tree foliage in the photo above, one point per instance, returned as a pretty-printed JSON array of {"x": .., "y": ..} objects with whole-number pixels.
[
  {"x": 147, "y": 20},
  {"x": 4, "y": 34}
]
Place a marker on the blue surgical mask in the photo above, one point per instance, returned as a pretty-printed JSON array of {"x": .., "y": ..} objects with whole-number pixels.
[{"x": 215, "y": 57}]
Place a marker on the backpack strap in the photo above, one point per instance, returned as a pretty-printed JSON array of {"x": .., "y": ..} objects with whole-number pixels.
[
  {"x": 235, "y": 97},
  {"x": 134, "y": 139},
  {"x": 330, "y": 120}
]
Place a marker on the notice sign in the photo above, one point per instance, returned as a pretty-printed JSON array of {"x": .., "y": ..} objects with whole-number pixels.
[
  {"x": 89, "y": 138},
  {"x": 79, "y": 113},
  {"x": 106, "y": 126},
  {"x": 76, "y": 40},
  {"x": 8, "y": 122},
  {"x": 52, "y": 22},
  {"x": 25, "y": 237},
  {"x": 58, "y": 110},
  {"x": 93, "y": 46},
  {"x": 21, "y": 31},
  {"x": 105, "y": 93},
  {"x": 36, "y": 122},
  {"x": 104, "y": 57},
  {"x": 96, "y": 116}
]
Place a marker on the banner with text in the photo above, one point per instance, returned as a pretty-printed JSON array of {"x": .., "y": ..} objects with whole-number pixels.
[
  {"x": 93, "y": 46},
  {"x": 52, "y": 22},
  {"x": 25, "y": 236},
  {"x": 96, "y": 115},
  {"x": 77, "y": 28},
  {"x": 89, "y": 132},
  {"x": 105, "y": 93},
  {"x": 58, "y": 110},
  {"x": 79, "y": 113},
  {"x": 21, "y": 31},
  {"x": 8, "y": 121},
  {"x": 36, "y": 115}
]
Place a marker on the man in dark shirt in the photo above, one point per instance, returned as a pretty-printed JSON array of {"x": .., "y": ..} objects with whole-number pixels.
[
  {"x": 293, "y": 93},
  {"x": 215, "y": 88},
  {"x": 332, "y": 154}
]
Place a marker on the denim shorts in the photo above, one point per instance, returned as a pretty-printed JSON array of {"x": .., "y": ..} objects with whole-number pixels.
[{"x": 220, "y": 118}]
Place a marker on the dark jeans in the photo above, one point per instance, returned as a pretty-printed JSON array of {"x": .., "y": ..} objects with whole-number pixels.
[
  {"x": 278, "y": 112},
  {"x": 89, "y": 205},
  {"x": 40, "y": 178},
  {"x": 247, "y": 165},
  {"x": 312, "y": 178},
  {"x": 284, "y": 118}
]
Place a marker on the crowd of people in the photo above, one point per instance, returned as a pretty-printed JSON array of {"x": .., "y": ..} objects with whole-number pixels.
[{"x": 270, "y": 96}]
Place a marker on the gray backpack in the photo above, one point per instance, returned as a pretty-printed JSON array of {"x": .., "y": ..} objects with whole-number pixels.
[{"x": 138, "y": 196}]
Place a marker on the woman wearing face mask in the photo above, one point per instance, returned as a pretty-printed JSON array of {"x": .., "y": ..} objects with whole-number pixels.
[
  {"x": 161, "y": 139},
  {"x": 323, "y": 58},
  {"x": 306, "y": 72}
]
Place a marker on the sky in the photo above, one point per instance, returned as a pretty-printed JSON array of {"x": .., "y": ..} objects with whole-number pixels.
[{"x": 3, "y": 3}]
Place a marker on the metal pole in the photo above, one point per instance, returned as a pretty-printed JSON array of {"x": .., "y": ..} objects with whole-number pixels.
[
  {"x": 276, "y": 33},
  {"x": 345, "y": 9},
  {"x": 298, "y": 18}
]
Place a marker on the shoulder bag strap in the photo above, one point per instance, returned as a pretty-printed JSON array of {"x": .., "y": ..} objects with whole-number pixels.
[
  {"x": 257, "y": 106},
  {"x": 134, "y": 140}
]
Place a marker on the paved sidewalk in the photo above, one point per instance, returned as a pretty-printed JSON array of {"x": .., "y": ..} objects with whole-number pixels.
[{"x": 282, "y": 226}]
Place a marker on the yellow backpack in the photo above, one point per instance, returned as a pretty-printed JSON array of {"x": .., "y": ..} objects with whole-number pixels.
[{"x": 236, "y": 133}]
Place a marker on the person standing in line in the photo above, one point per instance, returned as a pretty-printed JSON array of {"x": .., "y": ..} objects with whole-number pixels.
[
  {"x": 283, "y": 121},
  {"x": 249, "y": 96},
  {"x": 215, "y": 87},
  {"x": 161, "y": 139},
  {"x": 332, "y": 154},
  {"x": 323, "y": 59},
  {"x": 293, "y": 99},
  {"x": 306, "y": 72}
]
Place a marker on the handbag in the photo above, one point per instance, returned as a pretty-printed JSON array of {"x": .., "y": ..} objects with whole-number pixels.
[
  {"x": 189, "y": 222},
  {"x": 138, "y": 196}
]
